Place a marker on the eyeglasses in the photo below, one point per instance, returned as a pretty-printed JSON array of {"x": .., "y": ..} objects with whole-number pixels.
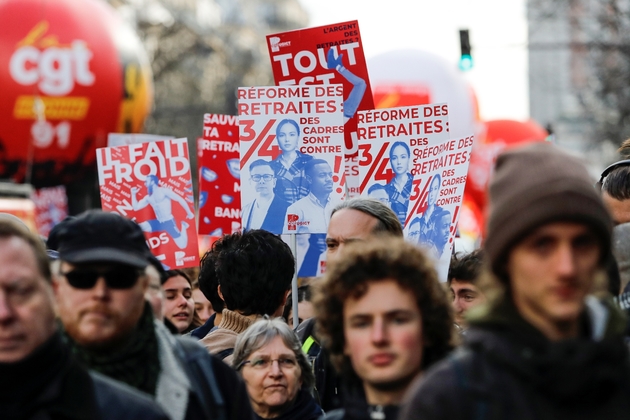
[
  {"x": 264, "y": 363},
  {"x": 115, "y": 278},
  {"x": 266, "y": 178}
]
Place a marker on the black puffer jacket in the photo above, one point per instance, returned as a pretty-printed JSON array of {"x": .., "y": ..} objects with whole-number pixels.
[
  {"x": 50, "y": 384},
  {"x": 508, "y": 370}
]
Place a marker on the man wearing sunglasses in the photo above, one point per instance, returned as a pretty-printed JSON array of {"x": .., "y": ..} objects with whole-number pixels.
[
  {"x": 100, "y": 285},
  {"x": 39, "y": 378}
]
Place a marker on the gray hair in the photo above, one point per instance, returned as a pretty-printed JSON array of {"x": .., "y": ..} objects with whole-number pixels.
[
  {"x": 387, "y": 220},
  {"x": 261, "y": 333}
]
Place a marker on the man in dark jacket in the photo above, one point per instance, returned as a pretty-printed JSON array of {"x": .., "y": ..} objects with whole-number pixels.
[
  {"x": 543, "y": 347},
  {"x": 100, "y": 285},
  {"x": 355, "y": 220},
  {"x": 39, "y": 378}
]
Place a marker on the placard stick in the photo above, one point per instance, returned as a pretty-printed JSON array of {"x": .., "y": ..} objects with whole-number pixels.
[{"x": 294, "y": 283}]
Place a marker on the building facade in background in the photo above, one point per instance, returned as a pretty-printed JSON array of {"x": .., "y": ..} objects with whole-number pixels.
[{"x": 579, "y": 66}]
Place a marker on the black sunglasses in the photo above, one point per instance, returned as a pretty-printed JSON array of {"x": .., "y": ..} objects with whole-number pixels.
[{"x": 115, "y": 278}]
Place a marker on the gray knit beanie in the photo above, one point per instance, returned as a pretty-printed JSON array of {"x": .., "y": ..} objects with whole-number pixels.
[{"x": 536, "y": 184}]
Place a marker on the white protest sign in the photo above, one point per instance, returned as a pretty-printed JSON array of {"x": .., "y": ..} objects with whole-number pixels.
[
  {"x": 291, "y": 148},
  {"x": 409, "y": 162}
]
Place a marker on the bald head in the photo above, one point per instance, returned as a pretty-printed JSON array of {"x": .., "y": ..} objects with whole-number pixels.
[{"x": 359, "y": 219}]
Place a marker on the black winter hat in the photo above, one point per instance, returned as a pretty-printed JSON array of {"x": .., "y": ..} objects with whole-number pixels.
[
  {"x": 97, "y": 236},
  {"x": 537, "y": 184}
]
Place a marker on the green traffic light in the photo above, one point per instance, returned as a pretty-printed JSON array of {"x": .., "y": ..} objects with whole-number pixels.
[{"x": 465, "y": 62}]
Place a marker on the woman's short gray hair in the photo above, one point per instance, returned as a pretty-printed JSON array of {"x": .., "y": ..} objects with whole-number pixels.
[{"x": 261, "y": 333}]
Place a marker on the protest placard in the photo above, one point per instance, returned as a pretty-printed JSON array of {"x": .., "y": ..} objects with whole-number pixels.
[
  {"x": 51, "y": 207},
  {"x": 291, "y": 148},
  {"x": 323, "y": 55},
  {"x": 409, "y": 162},
  {"x": 141, "y": 182},
  {"x": 219, "y": 176}
]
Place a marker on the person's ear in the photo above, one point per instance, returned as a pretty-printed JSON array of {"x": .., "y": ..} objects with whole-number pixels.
[
  {"x": 282, "y": 304},
  {"x": 284, "y": 298},
  {"x": 144, "y": 282},
  {"x": 219, "y": 292}
]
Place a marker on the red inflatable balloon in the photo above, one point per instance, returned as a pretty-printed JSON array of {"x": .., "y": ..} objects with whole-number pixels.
[
  {"x": 511, "y": 132},
  {"x": 71, "y": 72},
  {"x": 498, "y": 136}
]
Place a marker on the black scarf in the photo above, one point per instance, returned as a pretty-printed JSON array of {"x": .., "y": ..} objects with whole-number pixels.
[
  {"x": 574, "y": 371},
  {"x": 303, "y": 408},
  {"x": 135, "y": 363},
  {"x": 48, "y": 383}
]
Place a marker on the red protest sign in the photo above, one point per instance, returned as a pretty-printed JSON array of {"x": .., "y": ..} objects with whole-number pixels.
[
  {"x": 219, "y": 176},
  {"x": 151, "y": 184},
  {"x": 51, "y": 207},
  {"x": 324, "y": 55}
]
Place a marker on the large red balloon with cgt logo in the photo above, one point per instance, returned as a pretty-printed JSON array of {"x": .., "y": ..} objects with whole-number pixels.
[{"x": 71, "y": 72}]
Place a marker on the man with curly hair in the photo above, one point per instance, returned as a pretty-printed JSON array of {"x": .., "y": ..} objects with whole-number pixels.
[{"x": 384, "y": 318}]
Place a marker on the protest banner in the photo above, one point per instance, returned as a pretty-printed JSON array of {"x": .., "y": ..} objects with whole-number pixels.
[
  {"x": 291, "y": 150},
  {"x": 123, "y": 139},
  {"x": 141, "y": 182},
  {"x": 409, "y": 162},
  {"x": 219, "y": 176},
  {"x": 324, "y": 55},
  {"x": 51, "y": 207}
]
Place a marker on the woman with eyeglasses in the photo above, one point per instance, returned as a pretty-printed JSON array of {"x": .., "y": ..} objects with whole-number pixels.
[
  {"x": 277, "y": 374},
  {"x": 267, "y": 210}
]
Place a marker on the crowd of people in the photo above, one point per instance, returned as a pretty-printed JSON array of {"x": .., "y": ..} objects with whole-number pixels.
[{"x": 526, "y": 327}]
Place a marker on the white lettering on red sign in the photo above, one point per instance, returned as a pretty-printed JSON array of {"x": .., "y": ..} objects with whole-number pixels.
[{"x": 55, "y": 70}]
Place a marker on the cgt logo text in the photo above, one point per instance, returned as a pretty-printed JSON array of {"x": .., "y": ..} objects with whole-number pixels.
[
  {"x": 276, "y": 44},
  {"x": 293, "y": 223},
  {"x": 54, "y": 67}
]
